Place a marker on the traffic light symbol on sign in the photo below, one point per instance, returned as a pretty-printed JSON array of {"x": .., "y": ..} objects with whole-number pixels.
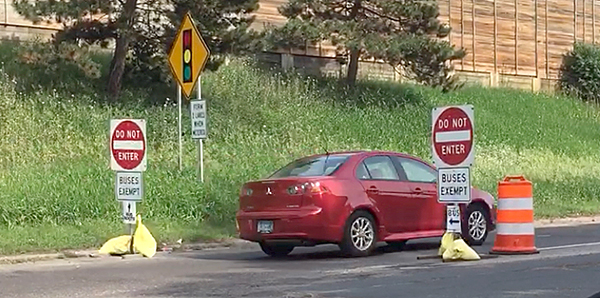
[{"x": 187, "y": 55}]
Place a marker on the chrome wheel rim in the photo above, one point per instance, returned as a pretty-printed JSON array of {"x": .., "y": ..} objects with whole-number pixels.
[
  {"x": 361, "y": 233},
  {"x": 477, "y": 225}
]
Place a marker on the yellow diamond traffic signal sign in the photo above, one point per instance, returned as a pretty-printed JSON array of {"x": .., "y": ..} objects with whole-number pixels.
[{"x": 188, "y": 55}]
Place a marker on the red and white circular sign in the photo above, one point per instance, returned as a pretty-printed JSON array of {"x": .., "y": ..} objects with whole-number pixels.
[
  {"x": 453, "y": 136},
  {"x": 128, "y": 145}
]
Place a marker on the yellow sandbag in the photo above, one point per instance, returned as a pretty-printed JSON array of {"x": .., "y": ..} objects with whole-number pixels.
[
  {"x": 116, "y": 246},
  {"x": 447, "y": 240},
  {"x": 459, "y": 250},
  {"x": 143, "y": 242}
]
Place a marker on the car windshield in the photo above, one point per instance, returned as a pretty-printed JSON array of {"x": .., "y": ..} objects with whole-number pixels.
[{"x": 312, "y": 166}]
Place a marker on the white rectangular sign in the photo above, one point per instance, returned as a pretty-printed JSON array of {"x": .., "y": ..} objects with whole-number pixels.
[
  {"x": 453, "y": 219},
  {"x": 129, "y": 212},
  {"x": 198, "y": 116},
  {"x": 454, "y": 185},
  {"x": 129, "y": 186}
]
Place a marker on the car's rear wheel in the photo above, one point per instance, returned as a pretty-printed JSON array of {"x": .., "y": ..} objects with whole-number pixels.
[
  {"x": 360, "y": 235},
  {"x": 477, "y": 218},
  {"x": 276, "y": 250}
]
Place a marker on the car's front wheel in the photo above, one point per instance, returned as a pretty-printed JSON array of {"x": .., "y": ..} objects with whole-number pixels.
[
  {"x": 360, "y": 235},
  {"x": 477, "y": 220},
  {"x": 276, "y": 250}
]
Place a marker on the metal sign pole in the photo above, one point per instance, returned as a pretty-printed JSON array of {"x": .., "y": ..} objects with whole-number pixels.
[
  {"x": 179, "y": 125},
  {"x": 200, "y": 141},
  {"x": 130, "y": 227},
  {"x": 458, "y": 234},
  {"x": 201, "y": 153},
  {"x": 129, "y": 214}
]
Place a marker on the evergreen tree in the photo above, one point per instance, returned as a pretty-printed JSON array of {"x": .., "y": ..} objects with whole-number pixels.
[
  {"x": 145, "y": 28},
  {"x": 404, "y": 33}
]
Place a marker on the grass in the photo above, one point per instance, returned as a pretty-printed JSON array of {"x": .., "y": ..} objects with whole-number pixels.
[{"x": 56, "y": 187}]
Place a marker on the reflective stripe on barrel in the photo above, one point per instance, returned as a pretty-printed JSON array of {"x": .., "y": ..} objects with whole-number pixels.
[
  {"x": 515, "y": 204},
  {"x": 515, "y": 229},
  {"x": 515, "y": 216},
  {"x": 515, "y": 210}
]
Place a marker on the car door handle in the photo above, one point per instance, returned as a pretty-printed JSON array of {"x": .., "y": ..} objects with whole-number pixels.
[
  {"x": 373, "y": 190},
  {"x": 417, "y": 190}
]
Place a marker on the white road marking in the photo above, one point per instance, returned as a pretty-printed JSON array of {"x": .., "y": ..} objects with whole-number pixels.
[
  {"x": 569, "y": 246},
  {"x": 370, "y": 269}
]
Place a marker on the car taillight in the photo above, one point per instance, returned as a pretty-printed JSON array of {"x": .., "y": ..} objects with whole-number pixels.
[
  {"x": 308, "y": 187},
  {"x": 245, "y": 192}
]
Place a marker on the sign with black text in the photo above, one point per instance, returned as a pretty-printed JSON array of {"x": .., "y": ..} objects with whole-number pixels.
[
  {"x": 454, "y": 185},
  {"x": 198, "y": 116},
  {"x": 129, "y": 212},
  {"x": 129, "y": 186},
  {"x": 453, "y": 219}
]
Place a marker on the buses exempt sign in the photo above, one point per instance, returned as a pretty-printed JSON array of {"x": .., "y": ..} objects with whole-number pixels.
[
  {"x": 129, "y": 186},
  {"x": 452, "y": 144},
  {"x": 454, "y": 185},
  {"x": 127, "y": 143}
]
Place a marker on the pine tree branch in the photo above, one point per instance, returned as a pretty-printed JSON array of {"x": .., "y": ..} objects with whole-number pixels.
[{"x": 380, "y": 15}]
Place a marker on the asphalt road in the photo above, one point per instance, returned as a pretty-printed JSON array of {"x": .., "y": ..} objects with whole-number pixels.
[{"x": 568, "y": 265}]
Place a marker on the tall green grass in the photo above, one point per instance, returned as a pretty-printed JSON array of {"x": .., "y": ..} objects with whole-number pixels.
[{"x": 56, "y": 187}]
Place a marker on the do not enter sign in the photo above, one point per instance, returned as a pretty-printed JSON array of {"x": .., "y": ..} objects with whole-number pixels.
[
  {"x": 452, "y": 133},
  {"x": 128, "y": 145}
]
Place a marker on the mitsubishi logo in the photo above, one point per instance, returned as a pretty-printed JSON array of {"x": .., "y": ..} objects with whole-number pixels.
[{"x": 269, "y": 191}]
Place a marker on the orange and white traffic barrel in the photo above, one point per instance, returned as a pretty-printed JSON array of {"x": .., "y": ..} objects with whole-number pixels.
[{"x": 515, "y": 232}]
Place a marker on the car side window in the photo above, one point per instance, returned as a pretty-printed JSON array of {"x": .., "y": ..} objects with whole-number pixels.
[
  {"x": 417, "y": 171},
  {"x": 362, "y": 173},
  {"x": 381, "y": 168}
]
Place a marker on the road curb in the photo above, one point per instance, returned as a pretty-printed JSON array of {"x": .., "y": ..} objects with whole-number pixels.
[
  {"x": 93, "y": 253},
  {"x": 229, "y": 243},
  {"x": 223, "y": 244},
  {"x": 32, "y": 258},
  {"x": 566, "y": 221}
]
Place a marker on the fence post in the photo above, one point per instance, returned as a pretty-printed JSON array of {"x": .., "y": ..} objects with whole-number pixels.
[{"x": 287, "y": 61}]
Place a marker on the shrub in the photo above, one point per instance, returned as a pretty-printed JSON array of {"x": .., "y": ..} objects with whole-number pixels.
[{"x": 580, "y": 72}]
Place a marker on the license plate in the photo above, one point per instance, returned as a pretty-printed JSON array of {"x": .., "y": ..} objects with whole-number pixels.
[{"x": 265, "y": 226}]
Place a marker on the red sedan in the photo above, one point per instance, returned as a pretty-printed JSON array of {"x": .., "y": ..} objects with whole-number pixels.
[{"x": 353, "y": 199}]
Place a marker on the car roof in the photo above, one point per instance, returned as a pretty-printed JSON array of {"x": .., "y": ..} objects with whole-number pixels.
[{"x": 366, "y": 152}]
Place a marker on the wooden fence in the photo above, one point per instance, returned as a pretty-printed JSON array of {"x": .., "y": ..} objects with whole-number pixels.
[
  {"x": 15, "y": 27},
  {"x": 516, "y": 43}
]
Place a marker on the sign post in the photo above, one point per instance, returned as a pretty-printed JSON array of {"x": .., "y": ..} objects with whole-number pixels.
[
  {"x": 453, "y": 155},
  {"x": 180, "y": 132},
  {"x": 128, "y": 159},
  {"x": 187, "y": 58},
  {"x": 199, "y": 132}
]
